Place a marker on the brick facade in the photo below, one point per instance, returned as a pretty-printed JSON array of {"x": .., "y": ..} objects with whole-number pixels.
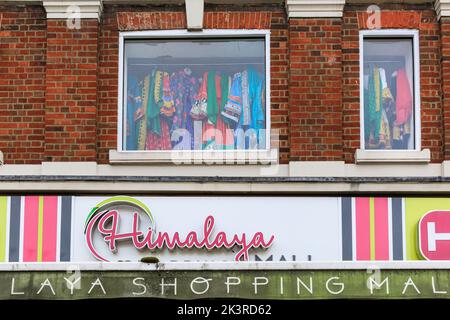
[
  {"x": 445, "y": 66},
  {"x": 23, "y": 34},
  {"x": 71, "y": 91},
  {"x": 59, "y": 87},
  {"x": 315, "y": 84},
  {"x": 422, "y": 18}
]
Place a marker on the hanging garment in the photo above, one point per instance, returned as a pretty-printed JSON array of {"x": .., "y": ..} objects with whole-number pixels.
[
  {"x": 401, "y": 136},
  {"x": 385, "y": 132},
  {"x": 208, "y": 136},
  {"x": 389, "y": 110},
  {"x": 372, "y": 109},
  {"x": 167, "y": 108},
  {"x": 141, "y": 117},
  {"x": 161, "y": 141},
  {"x": 134, "y": 103},
  {"x": 212, "y": 110},
  {"x": 153, "y": 124},
  {"x": 209, "y": 133},
  {"x": 383, "y": 78},
  {"x": 199, "y": 109},
  {"x": 404, "y": 99},
  {"x": 233, "y": 108},
  {"x": 378, "y": 88},
  {"x": 218, "y": 136},
  {"x": 386, "y": 126},
  {"x": 176, "y": 87},
  {"x": 384, "y": 85},
  {"x": 254, "y": 136},
  {"x": 191, "y": 87},
  {"x": 184, "y": 89},
  {"x": 393, "y": 85},
  {"x": 223, "y": 86},
  {"x": 256, "y": 95},
  {"x": 245, "y": 119}
]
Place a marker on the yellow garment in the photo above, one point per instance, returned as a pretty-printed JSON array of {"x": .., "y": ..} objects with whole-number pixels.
[
  {"x": 168, "y": 106},
  {"x": 158, "y": 84},
  {"x": 385, "y": 132},
  {"x": 142, "y": 137},
  {"x": 376, "y": 75},
  {"x": 387, "y": 93}
]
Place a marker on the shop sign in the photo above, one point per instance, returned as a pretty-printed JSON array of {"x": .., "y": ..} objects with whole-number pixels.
[
  {"x": 434, "y": 235},
  {"x": 105, "y": 220},
  {"x": 64, "y": 228},
  {"x": 124, "y": 228},
  {"x": 255, "y": 284}
]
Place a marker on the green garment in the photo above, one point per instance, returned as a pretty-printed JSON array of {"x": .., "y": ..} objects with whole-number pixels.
[
  {"x": 153, "y": 123},
  {"x": 224, "y": 88},
  {"x": 211, "y": 109},
  {"x": 372, "y": 109}
]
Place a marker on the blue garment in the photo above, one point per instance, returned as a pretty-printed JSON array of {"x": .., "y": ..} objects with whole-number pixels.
[
  {"x": 232, "y": 110},
  {"x": 184, "y": 87},
  {"x": 255, "y": 88},
  {"x": 134, "y": 102},
  {"x": 257, "y": 111}
]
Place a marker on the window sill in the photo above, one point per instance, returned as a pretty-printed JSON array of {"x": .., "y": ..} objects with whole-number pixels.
[
  {"x": 380, "y": 156},
  {"x": 262, "y": 157}
]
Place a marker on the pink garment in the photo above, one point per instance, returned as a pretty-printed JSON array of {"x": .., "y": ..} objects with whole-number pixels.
[{"x": 404, "y": 101}]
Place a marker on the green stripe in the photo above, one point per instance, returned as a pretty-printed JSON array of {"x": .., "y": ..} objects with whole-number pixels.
[
  {"x": 3, "y": 221},
  {"x": 40, "y": 228},
  {"x": 372, "y": 229}
]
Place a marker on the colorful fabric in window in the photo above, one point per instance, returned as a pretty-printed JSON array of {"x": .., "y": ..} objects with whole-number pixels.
[
  {"x": 185, "y": 110},
  {"x": 233, "y": 108}
]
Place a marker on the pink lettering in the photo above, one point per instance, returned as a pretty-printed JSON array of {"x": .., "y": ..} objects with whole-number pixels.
[{"x": 108, "y": 226}]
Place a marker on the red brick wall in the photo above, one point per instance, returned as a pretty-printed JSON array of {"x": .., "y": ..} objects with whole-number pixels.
[
  {"x": 445, "y": 65},
  {"x": 71, "y": 91},
  {"x": 108, "y": 75},
  {"x": 22, "y": 83},
  {"x": 315, "y": 87},
  {"x": 410, "y": 17},
  {"x": 58, "y": 90},
  {"x": 218, "y": 17}
]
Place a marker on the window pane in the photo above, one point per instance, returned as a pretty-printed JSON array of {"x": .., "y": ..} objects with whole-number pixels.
[
  {"x": 388, "y": 94},
  {"x": 189, "y": 94}
]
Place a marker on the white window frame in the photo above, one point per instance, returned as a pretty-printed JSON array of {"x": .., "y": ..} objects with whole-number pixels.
[
  {"x": 147, "y": 156},
  {"x": 411, "y": 155}
]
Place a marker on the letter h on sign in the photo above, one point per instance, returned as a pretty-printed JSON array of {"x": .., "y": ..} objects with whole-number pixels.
[{"x": 434, "y": 235}]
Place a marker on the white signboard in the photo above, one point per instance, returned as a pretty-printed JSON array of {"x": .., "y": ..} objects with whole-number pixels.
[{"x": 237, "y": 228}]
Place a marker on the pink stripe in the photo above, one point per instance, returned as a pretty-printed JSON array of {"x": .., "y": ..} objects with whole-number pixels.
[
  {"x": 362, "y": 217},
  {"x": 30, "y": 228},
  {"x": 50, "y": 228},
  {"x": 381, "y": 229}
]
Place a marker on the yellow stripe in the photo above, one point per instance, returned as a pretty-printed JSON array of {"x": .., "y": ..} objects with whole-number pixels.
[
  {"x": 372, "y": 229},
  {"x": 40, "y": 228}
]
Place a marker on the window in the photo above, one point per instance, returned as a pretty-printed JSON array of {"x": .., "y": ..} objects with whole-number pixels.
[
  {"x": 194, "y": 91},
  {"x": 390, "y": 90}
]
